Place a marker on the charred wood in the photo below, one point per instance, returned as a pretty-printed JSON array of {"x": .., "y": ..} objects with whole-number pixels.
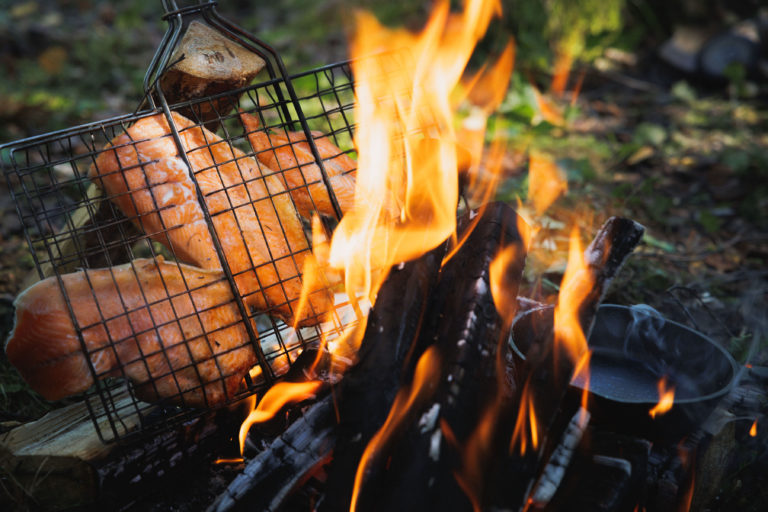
[
  {"x": 390, "y": 344},
  {"x": 558, "y": 463},
  {"x": 435, "y": 457},
  {"x": 607, "y": 473},
  {"x": 548, "y": 372},
  {"x": 605, "y": 255},
  {"x": 363, "y": 397},
  {"x": 267, "y": 479}
]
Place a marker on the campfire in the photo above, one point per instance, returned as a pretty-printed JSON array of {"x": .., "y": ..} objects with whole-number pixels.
[{"x": 353, "y": 286}]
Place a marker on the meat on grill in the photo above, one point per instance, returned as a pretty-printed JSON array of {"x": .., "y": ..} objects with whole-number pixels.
[
  {"x": 291, "y": 155},
  {"x": 170, "y": 328},
  {"x": 253, "y": 216}
]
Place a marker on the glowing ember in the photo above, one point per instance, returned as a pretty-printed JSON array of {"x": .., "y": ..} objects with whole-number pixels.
[
  {"x": 753, "y": 429},
  {"x": 666, "y": 398}
]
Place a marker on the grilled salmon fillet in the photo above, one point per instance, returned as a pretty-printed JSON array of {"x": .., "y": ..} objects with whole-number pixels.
[
  {"x": 170, "y": 328},
  {"x": 291, "y": 155},
  {"x": 253, "y": 216}
]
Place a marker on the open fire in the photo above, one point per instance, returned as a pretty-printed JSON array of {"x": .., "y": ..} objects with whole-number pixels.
[
  {"x": 411, "y": 161},
  {"x": 450, "y": 391}
]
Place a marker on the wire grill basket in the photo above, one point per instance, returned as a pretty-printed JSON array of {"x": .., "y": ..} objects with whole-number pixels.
[{"x": 158, "y": 338}]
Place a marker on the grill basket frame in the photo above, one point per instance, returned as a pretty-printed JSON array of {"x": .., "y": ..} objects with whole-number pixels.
[{"x": 48, "y": 180}]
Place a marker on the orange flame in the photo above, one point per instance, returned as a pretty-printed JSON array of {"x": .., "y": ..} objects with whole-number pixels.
[
  {"x": 753, "y": 429},
  {"x": 498, "y": 274},
  {"x": 278, "y": 396},
  {"x": 575, "y": 287},
  {"x": 685, "y": 504},
  {"x": 581, "y": 373},
  {"x": 545, "y": 182},
  {"x": 425, "y": 377},
  {"x": 395, "y": 111},
  {"x": 548, "y": 110},
  {"x": 526, "y": 424},
  {"x": 563, "y": 64},
  {"x": 666, "y": 398}
]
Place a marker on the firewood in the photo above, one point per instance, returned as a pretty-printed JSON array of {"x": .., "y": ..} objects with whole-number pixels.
[
  {"x": 59, "y": 461},
  {"x": 363, "y": 396},
  {"x": 605, "y": 255},
  {"x": 554, "y": 471},
  {"x": 548, "y": 373},
  {"x": 420, "y": 465},
  {"x": 268, "y": 478}
]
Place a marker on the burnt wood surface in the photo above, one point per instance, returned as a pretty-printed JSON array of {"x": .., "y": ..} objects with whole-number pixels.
[
  {"x": 268, "y": 478},
  {"x": 547, "y": 371},
  {"x": 604, "y": 256},
  {"x": 420, "y": 467},
  {"x": 363, "y": 397}
]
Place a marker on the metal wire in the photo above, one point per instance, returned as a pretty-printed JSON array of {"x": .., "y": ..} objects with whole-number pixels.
[{"x": 72, "y": 221}]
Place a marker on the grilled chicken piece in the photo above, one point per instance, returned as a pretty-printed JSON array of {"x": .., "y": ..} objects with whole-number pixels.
[
  {"x": 172, "y": 329},
  {"x": 253, "y": 216}
]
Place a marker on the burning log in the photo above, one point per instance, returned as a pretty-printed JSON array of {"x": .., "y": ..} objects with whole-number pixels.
[
  {"x": 364, "y": 397},
  {"x": 267, "y": 479},
  {"x": 549, "y": 372},
  {"x": 608, "y": 251},
  {"x": 561, "y": 457},
  {"x": 416, "y": 460}
]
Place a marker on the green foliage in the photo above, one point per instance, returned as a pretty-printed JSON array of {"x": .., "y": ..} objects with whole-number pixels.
[
  {"x": 581, "y": 28},
  {"x": 571, "y": 22}
]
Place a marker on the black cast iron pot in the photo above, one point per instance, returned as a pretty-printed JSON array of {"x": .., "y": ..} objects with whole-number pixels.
[{"x": 632, "y": 348}]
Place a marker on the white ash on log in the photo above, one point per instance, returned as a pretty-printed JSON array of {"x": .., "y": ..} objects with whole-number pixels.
[
  {"x": 553, "y": 473},
  {"x": 268, "y": 479},
  {"x": 416, "y": 467}
]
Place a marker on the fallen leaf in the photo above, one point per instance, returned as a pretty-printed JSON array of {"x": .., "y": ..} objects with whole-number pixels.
[
  {"x": 52, "y": 60},
  {"x": 643, "y": 153}
]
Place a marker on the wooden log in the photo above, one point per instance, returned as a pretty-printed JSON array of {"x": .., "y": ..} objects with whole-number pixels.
[
  {"x": 386, "y": 357},
  {"x": 546, "y": 375},
  {"x": 364, "y": 397},
  {"x": 268, "y": 479},
  {"x": 206, "y": 63},
  {"x": 50, "y": 461},
  {"x": 59, "y": 461},
  {"x": 419, "y": 463},
  {"x": 605, "y": 256}
]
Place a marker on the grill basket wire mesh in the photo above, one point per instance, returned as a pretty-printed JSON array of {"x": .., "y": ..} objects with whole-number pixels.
[{"x": 70, "y": 224}]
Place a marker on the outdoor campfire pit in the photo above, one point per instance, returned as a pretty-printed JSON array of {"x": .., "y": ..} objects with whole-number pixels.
[{"x": 323, "y": 281}]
